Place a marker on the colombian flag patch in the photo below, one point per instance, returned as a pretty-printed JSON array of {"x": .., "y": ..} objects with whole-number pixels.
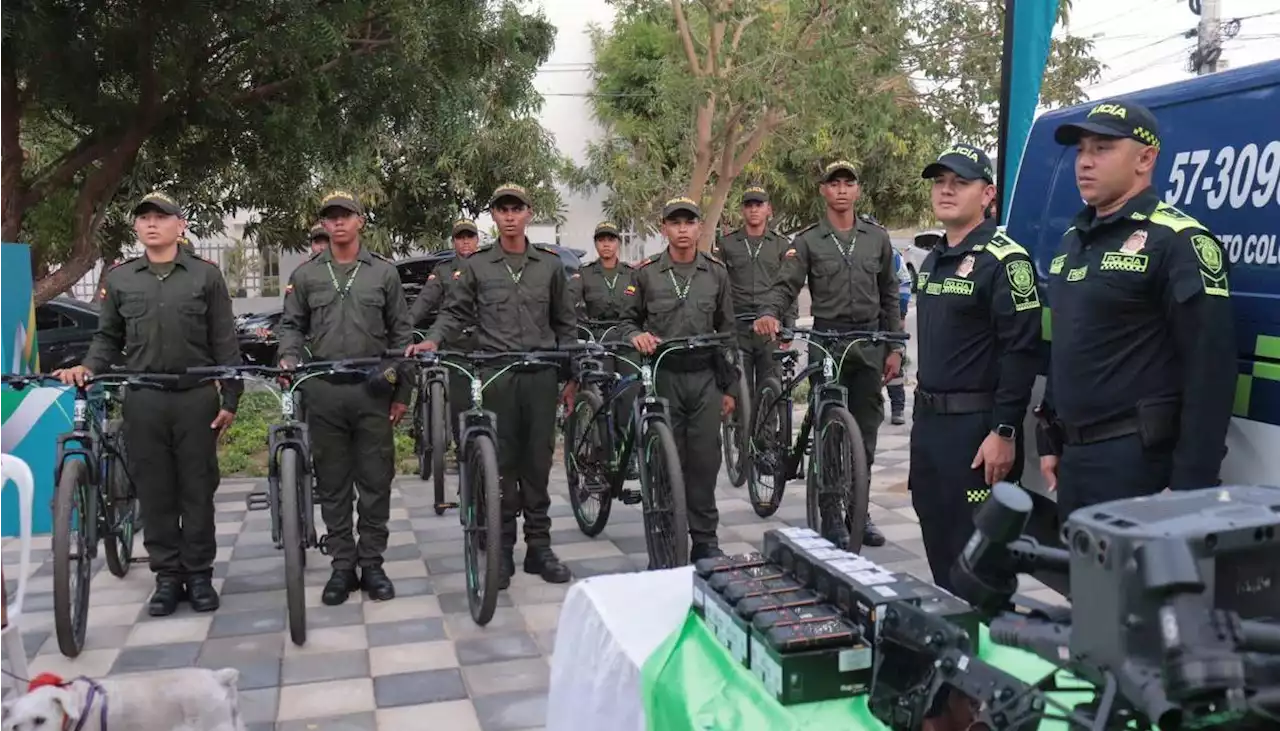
[
  {"x": 430, "y": 277},
  {"x": 457, "y": 274},
  {"x": 790, "y": 252},
  {"x": 102, "y": 293},
  {"x": 288, "y": 289},
  {"x": 630, "y": 291}
]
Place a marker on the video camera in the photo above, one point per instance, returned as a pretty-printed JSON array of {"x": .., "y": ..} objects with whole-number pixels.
[{"x": 1176, "y": 623}]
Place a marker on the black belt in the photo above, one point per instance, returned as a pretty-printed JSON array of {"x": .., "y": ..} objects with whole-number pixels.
[
  {"x": 1121, "y": 426},
  {"x": 841, "y": 324},
  {"x": 954, "y": 403},
  {"x": 182, "y": 384},
  {"x": 689, "y": 363}
]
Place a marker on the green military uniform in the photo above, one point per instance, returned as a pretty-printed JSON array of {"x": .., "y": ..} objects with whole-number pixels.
[
  {"x": 354, "y": 310},
  {"x": 853, "y": 286},
  {"x": 672, "y": 300},
  {"x": 753, "y": 265},
  {"x": 516, "y": 303},
  {"x": 168, "y": 317}
]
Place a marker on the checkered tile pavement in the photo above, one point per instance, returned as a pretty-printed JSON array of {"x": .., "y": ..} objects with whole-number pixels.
[{"x": 415, "y": 660}]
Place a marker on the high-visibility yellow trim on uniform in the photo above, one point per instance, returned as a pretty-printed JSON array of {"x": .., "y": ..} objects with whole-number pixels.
[{"x": 977, "y": 496}]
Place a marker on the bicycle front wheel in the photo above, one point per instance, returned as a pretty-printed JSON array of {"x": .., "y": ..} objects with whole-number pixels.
[
  {"x": 838, "y": 488},
  {"x": 291, "y": 520},
  {"x": 438, "y": 434},
  {"x": 481, "y": 507},
  {"x": 121, "y": 506},
  {"x": 75, "y": 509},
  {"x": 666, "y": 520},
  {"x": 734, "y": 433},
  {"x": 768, "y": 448},
  {"x": 586, "y": 465}
]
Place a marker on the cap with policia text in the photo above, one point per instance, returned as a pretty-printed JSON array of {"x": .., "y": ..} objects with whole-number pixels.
[
  {"x": 676, "y": 205},
  {"x": 465, "y": 225},
  {"x": 839, "y": 167},
  {"x": 159, "y": 201},
  {"x": 1117, "y": 118},
  {"x": 318, "y": 232},
  {"x": 341, "y": 199},
  {"x": 754, "y": 194},
  {"x": 606, "y": 228},
  {"x": 510, "y": 190},
  {"x": 967, "y": 161}
]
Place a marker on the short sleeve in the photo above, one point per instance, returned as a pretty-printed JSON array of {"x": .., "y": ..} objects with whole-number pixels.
[{"x": 1196, "y": 264}]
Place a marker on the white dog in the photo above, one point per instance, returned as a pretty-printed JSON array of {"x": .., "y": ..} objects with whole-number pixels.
[{"x": 187, "y": 699}]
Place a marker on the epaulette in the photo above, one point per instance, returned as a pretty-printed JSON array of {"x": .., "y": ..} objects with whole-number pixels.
[
  {"x": 712, "y": 257},
  {"x": 870, "y": 219},
  {"x": 1001, "y": 246},
  {"x": 646, "y": 262},
  {"x": 384, "y": 258},
  {"x": 807, "y": 229},
  {"x": 122, "y": 263},
  {"x": 544, "y": 247},
  {"x": 314, "y": 255},
  {"x": 1172, "y": 218},
  {"x": 486, "y": 247}
]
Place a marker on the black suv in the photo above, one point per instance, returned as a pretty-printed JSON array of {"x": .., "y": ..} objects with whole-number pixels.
[
  {"x": 64, "y": 329},
  {"x": 256, "y": 331}
]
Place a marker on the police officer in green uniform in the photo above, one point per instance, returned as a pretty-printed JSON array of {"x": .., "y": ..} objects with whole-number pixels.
[
  {"x": 168, "y": 311},
  {"x": 978, "y": 317},
  {"x": 848, "y": 262},
  {"x": 346, "y": 302},
  {"x": 465, "y": 239},
  {"x": 604, "y": 280},
  {"x": 1142, "y": 368},
  {"x": 517, "y": 298},
  {"x": 318, "y": 240},
  {"x": 753, "y": 255},
  {"x": 678, "y": 293}
]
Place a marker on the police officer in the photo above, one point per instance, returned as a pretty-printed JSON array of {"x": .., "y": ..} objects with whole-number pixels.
[
  {"x": 848, "y": 262},
  {"x": 979, "y": 341},
  {"x": 605, "y": 279},
  {"x": 318, "y": 239},
  {"x": 753, "y": 255},
  {"x": 1142, "y": 368},
  {"x": 678, "y": 293},
  {"x": 168, "y": 311},
  {"x": 346, "y": 302},
  {"x": 465, "y": 239},
  {"x": 517, "y": 297}
]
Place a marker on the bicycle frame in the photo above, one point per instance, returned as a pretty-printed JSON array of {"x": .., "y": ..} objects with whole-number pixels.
[{"x": 291, "y": 433}]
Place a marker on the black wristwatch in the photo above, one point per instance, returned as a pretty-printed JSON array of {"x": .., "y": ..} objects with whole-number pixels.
[{"x": 1005, "y": 431}]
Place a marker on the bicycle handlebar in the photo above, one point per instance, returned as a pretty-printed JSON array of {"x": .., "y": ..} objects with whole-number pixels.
[
  {"x": 599, "y": 323},
  {"x": 20, "y": 381},
  {"x": 875, "y": 336},
  {"x": 693, "y": 341},
  {"x": 320, "y": 366}
]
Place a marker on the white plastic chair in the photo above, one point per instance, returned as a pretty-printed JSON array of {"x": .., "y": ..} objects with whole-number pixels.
[{"x": 16, "y": 471}]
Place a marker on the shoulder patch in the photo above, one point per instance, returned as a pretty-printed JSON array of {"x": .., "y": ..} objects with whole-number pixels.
[
  {"x": 1002, "y": 246},
  {"x": 1022, "y": 285},
  {"x": 288, "y": 289},
  {"x": 630, "y": 291},
  {"x": 1172, "y": 218}
]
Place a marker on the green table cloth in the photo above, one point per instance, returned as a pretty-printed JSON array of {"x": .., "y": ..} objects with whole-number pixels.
[{"x": 691, "y": 682}]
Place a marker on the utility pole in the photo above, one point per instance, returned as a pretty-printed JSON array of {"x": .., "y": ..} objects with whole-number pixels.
[{"x": 1209, "y": 49}]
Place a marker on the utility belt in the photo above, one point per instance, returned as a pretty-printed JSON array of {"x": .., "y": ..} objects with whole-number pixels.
[
  {"x": 1155, "y": 421},
  {"x": 844, "y": 323},
  {"x": 690, "y": 362},
  {"x": 954, "y": 403},
  {"x": 182, "y": 384}
]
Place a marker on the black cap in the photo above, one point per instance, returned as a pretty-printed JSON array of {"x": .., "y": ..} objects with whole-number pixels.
[
  {"x": 159, "y": 201},
  {"x": 510, "y": 190},
  {"x": 341, "y": 199},
  {"x": 966, "y": 161},
  {"x": 754, "y": 194},
  {"x": 838, "y": 167},
  {"x": 465, "y": 225},
  {"x": 607, "y": 228},
  {"x": 317, "y": 232},
  {"x": 1116, "y": 118},
  {"x": 676, "y": 205}
]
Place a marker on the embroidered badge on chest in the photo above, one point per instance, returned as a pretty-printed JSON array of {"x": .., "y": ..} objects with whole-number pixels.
[
  {"x": 1135, "y": 243},
  {"x": 966, "y": 266}
]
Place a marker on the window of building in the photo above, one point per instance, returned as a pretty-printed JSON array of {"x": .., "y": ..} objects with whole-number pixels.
[{"x": 270, "y": 272}]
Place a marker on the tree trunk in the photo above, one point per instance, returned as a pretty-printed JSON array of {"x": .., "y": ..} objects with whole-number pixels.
[{"x": 714, "y": 210}]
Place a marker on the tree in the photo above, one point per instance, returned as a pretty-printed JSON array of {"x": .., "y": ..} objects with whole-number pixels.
[
  {"x": 252, "y": 106},
  {"x": 703, "y": 98}
]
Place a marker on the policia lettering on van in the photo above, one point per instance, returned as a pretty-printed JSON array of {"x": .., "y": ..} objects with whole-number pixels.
[{"x": 1142, "y": 368}]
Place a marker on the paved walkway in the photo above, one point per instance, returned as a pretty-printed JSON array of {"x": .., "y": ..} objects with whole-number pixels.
[{"x": 419, "y": 659}]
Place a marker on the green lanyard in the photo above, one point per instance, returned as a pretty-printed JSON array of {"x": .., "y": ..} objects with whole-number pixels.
[
  {"x": 839, "y": 247},
  {"x": 754, "y": 254},
  {"x": 681, "y": 293},
  {"x": 515, "y": 274},
  {"x": 342, "y": 291},
  {"x": 610, "y": 283}
]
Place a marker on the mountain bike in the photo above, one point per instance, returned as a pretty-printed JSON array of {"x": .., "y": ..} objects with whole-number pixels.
[
  {"x": 431, "y": 430},
  {"x": 838, "y": 481},
  {"x": 290, "y": 472},
  {"x": 735, "y": 428},
  {"x": 597, "y": 450},
  {"x": 479, "y": 490},
  {"x": 94, "y": 497}
]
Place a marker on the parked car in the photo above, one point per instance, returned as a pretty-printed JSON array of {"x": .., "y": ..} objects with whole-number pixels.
[
  {"x": 64, "y": 329},
  {"x": 914, "y": 252},
  {"x": 257, "y": 331}
]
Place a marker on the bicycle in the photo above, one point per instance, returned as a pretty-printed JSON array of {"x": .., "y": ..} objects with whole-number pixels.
[
  {"x": 479, "y": 491},
  {"x": 290, "y": 473},
  {"x": 597, "y": 450},
  {"x": 735, "y": 428},
  {"x": 838, "y": 467},
  {"x": 94, "y": 498},
  {"x": 431, "y": 430}
]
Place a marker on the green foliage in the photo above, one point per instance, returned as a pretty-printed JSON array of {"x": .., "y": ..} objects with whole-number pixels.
[
  {"x": 419, "y": 108},
  {"x": 243, "y": 449},
  {"x": 881, "y": 83}
]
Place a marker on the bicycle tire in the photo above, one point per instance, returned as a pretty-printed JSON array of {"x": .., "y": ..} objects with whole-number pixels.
[
  {"x": 120, "y": 507},
  {"x": 854, "y": 488},
  {"x": 75, "y": 498},
  {"x": 422, "y": 437},
  {"x": 770, "y": 443},
  {"x": 584, "y": 460},
  {"x": 438, "y": 436},
  {"x": 734, "y": 433},
  {"x": 667, "y": 540},
  {"x": 294, "y": 551},
  {"x": 481, "y": 496}
]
